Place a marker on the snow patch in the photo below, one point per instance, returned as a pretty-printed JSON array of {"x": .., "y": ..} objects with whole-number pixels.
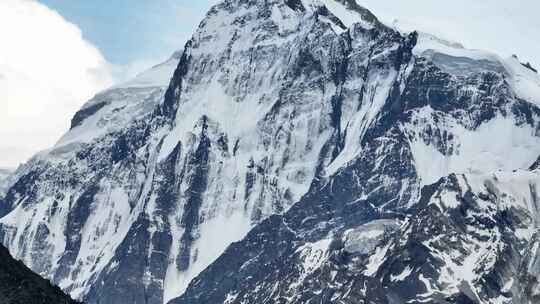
[
  {"x": 313, "y": 254},
  {"x": 376, "y": 260},
  {"x": 403, "y": 275},
  {"x": 497, "y": 144}
]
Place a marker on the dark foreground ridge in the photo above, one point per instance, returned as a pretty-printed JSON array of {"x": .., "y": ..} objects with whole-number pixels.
[{"x": 19, "y": 285}]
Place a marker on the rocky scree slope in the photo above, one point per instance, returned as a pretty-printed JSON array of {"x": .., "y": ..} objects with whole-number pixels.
[{"x": 315, "y": 128}]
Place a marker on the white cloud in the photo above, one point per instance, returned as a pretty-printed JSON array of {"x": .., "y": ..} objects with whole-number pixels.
[{"x": 47, "y": 71}]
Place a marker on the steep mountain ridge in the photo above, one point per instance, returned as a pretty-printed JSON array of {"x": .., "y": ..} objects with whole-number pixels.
[{"x": 311, "y": 109}]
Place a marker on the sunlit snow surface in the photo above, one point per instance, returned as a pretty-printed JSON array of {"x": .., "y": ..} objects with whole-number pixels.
[
  {"x": 122, "y": 104},
  {"x": 497, "y": 144}
]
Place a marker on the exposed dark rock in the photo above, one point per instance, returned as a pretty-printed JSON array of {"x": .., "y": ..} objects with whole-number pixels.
[{"x": 19, "y": 285}]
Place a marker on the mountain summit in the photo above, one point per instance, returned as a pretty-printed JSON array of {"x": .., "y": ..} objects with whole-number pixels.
[{"x": 302, "y": 152}]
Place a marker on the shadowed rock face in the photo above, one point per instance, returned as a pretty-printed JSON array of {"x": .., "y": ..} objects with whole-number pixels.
[
  {"x": 19, "y": 285},
  {"x": 308, "y": 143}
]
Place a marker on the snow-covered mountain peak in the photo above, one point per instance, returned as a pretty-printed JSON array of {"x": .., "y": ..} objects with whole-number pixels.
[
  {"x": 287, "y": 128},
  {"x": 284, "y": 16},
  {"x": 348, "y": 12}
]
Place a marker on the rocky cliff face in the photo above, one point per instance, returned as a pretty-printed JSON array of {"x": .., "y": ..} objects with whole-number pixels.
[
  {"x": 469, "y": 239},
  {"x": 341, "y": 145}
]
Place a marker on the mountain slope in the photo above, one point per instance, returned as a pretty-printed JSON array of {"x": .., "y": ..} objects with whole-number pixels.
[
  {"x": 70, "y": 207},
  {"x": 285, "y": 125},
  {"x": 19, "y": 285},
  {"x": 470, "y": 239},
  {"x": 441, "y": 118},
  {"x": 4, "y": 179}
]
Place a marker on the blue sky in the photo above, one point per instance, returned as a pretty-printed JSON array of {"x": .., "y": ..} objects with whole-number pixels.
[{"x": 128, "y": 31}]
